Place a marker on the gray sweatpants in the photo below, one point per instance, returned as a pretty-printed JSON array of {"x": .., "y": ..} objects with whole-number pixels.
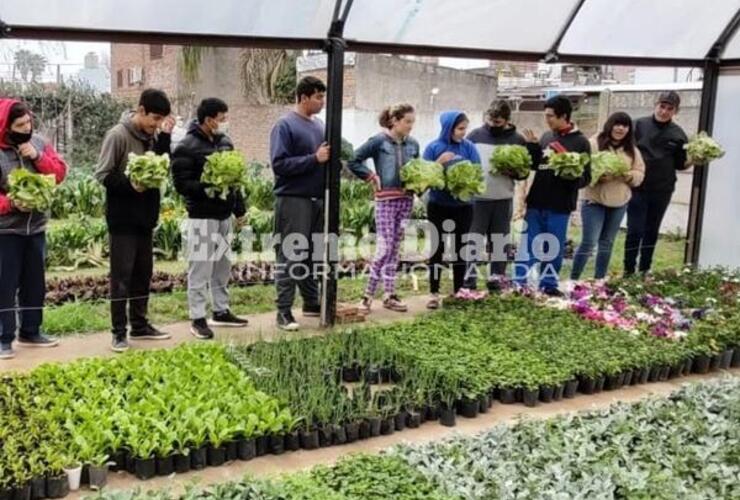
[
  {"x": 208, "y": 244},
  {"x": 296, "y": 219}
]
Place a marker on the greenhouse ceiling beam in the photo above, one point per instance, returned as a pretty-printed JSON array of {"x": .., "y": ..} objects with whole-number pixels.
[{"x": 552, "y": 54}]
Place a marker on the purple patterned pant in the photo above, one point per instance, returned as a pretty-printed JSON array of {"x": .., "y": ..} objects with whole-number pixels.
[{"x": 389, "y": 220}]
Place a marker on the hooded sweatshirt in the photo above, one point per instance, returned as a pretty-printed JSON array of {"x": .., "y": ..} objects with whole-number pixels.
[
  {"x": 13, "y": 221},
  {"x": 464, "y": 150},
  {"x": 486, "y": 139},
  {"x": 126, "y": 210}
]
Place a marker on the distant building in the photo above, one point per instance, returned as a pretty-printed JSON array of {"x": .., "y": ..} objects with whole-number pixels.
[{"x": 93, "y": 74}]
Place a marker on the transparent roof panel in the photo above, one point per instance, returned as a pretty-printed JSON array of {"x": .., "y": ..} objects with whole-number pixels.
[
  {"x": 682, "y": 29},
  {"x": 732, "y": 50},
  {"x": 505, "y": 25},
  {"x": 249, "y": 18}
]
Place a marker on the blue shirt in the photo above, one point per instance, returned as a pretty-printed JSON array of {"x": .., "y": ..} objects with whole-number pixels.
[{"x": 293, "y": 143}]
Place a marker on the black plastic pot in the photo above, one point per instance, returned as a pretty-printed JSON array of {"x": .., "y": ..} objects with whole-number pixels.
[
  {"x": 6, "y": 493},
  {"x": 352, "y": 430},
  {"x": 385, "y": 374},
  {"x": 447, "y": 415},
  {"x": 530, "y": 396},
  {"x": 413, "y": 420},
  {"x": 676, "y": 370},
  {"x": 22, "y": 492},
  {"x": 165, "y": 465},
  {"x": 338, "y": 435},
  {"x": 118, "y": 460},
  {"x": 644, "y": 374},
  {"x": 688, "y": 364},
  {"x": 432, "y": 412},
  {"x": 216, "y": 456},
  {"x": 375, "y": 425},
  {"x": 198, "y": 458},
  {"x": 262, "y": 443},
  {"x": 309, "y": 439},
  {"x": 467, "y": 408},
  {"x": 351, "y": 374},
  {"x": 546, "y": 392},
  {"x": 600, "y": 383},
  {"x": 181, "y": 463},
  {"x": 387, "y": 426},
  {"x": 276, "y": 444},
  {"x": 665, "y": 370},
  {"x": 85, "y": 475},
  {"x": 714, "y": 362},
  {"x": 612, "y": 382},
  {"x": 422, "y": 414},
  {"x": 145, "y": 468},
  {"x": 725, "y": 360},
  {"x": 507, "y": 396},
  {"x": 231, "y": 450},
  {"x": 99, "y": 476},
  {"x": 325, "y": 436},
  {"x": 130, "y": 463},
  {"x": 654, "y": 374},
  {"x": 620, "y": 380},
  {"x": 57, "y": 486},
  {"x": 627, "y": 380},
  {"x": 372, "y": 376},
  {"x": 587, "y": 385},
  {"x": 38, "y": 487},
  {"x": 736, "y": 358},
  {"x": 571, "y": 386},
  {"x": 400, "y": 420},
  {"x": 395, "y": 375},
  {"x": 484, "y": 403},
  {"x": 292, "y": 441},
  {"x": 701, "y": 364},
  {"x": 364, "y": 429},
  {"x": 558, "y": 391},
  {"x": 636, "y": 373}
]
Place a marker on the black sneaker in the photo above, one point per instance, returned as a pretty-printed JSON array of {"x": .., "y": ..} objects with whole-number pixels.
[
  {"x": 553, "y": 292},
  {"x": 199, "y": 329},
  {"x": 148, "y": 333},
  {"x": 6, "y": 351},
  {"x": 286, "y": 321},
  {"x": 38, "y": 340},
  {"x": 119, "y": 344},
  {"x": 226, "y": 318},
  {"x": 311, "y": 310}
]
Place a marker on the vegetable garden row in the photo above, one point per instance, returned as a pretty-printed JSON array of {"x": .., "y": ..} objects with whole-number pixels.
[{"x": 171, "y": 411}]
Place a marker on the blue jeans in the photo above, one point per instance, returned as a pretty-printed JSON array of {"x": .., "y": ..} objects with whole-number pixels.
[
  {"x": 22, "y": 277},
  {"x": 535, "y": 251},
  {"x": 600, "y": 227}
]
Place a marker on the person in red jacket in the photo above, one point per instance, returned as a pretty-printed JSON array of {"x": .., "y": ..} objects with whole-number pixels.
[{"x": 22, "y": 230}]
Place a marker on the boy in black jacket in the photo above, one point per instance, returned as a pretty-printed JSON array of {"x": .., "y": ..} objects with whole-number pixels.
[
  {"x": 551, "y": 200},
  {"x": 209, "y": 222}
]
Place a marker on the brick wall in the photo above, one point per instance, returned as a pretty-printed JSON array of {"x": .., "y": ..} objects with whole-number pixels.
[{"x": 158, "y": 73}]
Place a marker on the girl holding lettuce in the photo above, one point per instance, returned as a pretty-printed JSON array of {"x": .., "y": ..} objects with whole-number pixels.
[
  {"x": 605, "y": 199},
  {"x": 447, "y": 213},
  {"x": 389, "y": 150}
]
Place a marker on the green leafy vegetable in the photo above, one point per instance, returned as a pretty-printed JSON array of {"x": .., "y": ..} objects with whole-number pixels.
[
  {"x": 702, "y": 149},
  {"x": 607, "y": 163},
  {"x": 465, "y": 180},
  {"x": 511, "y": 160},
  {"x": 31, "y": 190},
  {"x": 419, "y": 175},
  {"x": 224, "y": 171},
  {"x": 568, "y": 165},
  {"x": 148, "y": 170}
]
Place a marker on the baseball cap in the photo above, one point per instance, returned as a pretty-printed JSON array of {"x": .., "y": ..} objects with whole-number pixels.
[{"x": 670, "y": 97}]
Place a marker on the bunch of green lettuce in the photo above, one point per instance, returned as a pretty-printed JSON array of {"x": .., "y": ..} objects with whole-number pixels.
[
  {"x": 465, "y": 180},
  {"x": 419, "y": 175},
  {"x": 607, "y": 163},
  {"x": 568, "y": 165},
  {"x": 702, "y": 149},
  {"x": 511, "y": 160},
  {"x": 224, "y": 171},
  {"x": 31, "y": 190},
  {"x": 149, "y": 170}
]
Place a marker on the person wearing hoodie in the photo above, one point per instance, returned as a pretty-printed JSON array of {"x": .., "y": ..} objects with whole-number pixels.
[
  {"x": 604, "y": 204},
  {"x": 22, "y": 230},
  {"x": 131, "y": 213},
  {"x": 551, "y": 200},
  {"x": 447, "y": 213},
  {"x": 492, "y": 210},
  {"x": 209, "y": 225},
  {"x": 661, "y": 142},
  {"x": 390, "y": 150}
]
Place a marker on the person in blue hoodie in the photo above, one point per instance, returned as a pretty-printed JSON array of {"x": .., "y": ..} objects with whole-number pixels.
[{"x": 447, "y": 213}]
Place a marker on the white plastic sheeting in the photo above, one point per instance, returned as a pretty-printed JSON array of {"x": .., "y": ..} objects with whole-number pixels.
[{"x": 674, "y": 30}]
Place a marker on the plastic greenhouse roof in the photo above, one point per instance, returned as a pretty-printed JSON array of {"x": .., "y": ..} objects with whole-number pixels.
[{"x": 667, "y": 32}]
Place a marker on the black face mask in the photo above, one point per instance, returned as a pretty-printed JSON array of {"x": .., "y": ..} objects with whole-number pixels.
[{"x": 17, "y": 138}]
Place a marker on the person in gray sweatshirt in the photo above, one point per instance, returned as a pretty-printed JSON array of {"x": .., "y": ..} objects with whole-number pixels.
[{"x": 492, "y": 210}]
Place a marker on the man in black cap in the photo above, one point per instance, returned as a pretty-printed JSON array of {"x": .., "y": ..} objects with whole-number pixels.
[{"x": 661, "y": 142}]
